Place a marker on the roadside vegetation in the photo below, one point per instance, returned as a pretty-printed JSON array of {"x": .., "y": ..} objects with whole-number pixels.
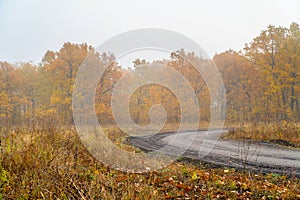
[
  {"x": 282, "y": 133},
  {"x": 50, "y": 164}
]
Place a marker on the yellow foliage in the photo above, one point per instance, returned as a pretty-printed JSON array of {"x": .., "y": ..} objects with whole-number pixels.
[{"x": 55, "y": 100}]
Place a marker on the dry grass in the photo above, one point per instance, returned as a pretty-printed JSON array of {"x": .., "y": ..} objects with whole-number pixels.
[
  {"x": 55, "y": 165},
  {"x": 286, "y": 133}
]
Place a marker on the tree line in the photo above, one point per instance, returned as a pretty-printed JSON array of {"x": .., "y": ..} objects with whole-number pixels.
[{"x": 262, "y": 83}]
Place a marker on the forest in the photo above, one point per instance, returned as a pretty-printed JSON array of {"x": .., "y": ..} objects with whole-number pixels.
[
  {"x": 42, "y": 157},
  {"x": 262, "y": 84}
]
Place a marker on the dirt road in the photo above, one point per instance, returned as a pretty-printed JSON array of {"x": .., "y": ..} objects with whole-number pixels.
[{"x": 207, "y": 147}]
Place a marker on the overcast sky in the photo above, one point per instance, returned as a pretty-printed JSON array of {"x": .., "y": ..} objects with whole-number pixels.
[{"x": 28, "y": 28}]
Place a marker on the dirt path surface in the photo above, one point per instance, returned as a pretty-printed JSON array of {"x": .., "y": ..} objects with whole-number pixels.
[{"x": 206, "y": 147}]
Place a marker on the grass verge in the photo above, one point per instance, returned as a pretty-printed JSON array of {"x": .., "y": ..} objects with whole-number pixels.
[{"x": 282, "y": 133}]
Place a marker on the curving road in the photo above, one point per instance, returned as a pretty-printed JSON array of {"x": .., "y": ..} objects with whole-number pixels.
[{"x": 206, "y": 147}]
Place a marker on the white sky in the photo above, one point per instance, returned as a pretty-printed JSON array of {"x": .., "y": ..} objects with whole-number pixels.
[{"x": 28, "y": 28}]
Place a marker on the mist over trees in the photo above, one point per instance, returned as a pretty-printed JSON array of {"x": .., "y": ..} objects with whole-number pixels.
[{"x": 262, "y": 84}]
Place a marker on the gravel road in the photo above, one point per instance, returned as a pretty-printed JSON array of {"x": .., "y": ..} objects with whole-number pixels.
[{"x": 206, "y": 147}]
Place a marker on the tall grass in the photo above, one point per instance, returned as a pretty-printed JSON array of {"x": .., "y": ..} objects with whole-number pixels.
[
  {"x": 52, "y": 164},
  {"x": 283, "y": 131}
]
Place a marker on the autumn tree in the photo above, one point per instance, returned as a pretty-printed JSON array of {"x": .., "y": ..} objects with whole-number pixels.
[
  {"x": 244, "y": 87},
  {"x": 111, "y": 75},
  {"x": 10, "y": 94},
  {"x": 275, "y": 52},
  {"x": 60, "y": 69}
]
